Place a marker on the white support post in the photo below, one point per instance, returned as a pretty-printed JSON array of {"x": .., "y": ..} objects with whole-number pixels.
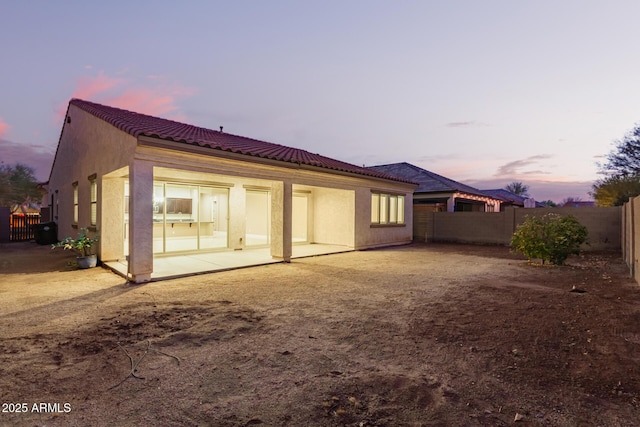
[
  {"x": 140, "y": 221},
  {"x": 281, "y": 220}
]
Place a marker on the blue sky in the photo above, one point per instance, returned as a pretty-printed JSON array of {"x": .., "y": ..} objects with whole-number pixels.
[{"x": 483, "y": 92}]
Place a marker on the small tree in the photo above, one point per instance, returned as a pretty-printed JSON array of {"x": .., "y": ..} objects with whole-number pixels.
[
  {"x": 517, "y": 187},
  {"x": 616, "y": 190},
  {"x": 550, "y": 237},
  {"x": 18, "y": 186},
  {"x": 625, "y": 159},
  {"x": 621, "y": 171}
]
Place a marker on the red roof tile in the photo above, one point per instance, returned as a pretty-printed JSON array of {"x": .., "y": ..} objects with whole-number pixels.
[{"x": 137, "y": 124}]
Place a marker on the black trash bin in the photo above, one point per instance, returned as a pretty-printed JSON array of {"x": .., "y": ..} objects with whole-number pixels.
[{"x": 46, "y": 233}]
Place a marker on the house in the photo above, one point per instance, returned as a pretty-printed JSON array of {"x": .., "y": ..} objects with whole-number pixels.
[
  {"x": 579, "y": 204},
  {"x": 511, "y": 199},
  {"x": 162, "y": 193},
  {"x": 507, "y": 197},
  {"x": 437, "y": 193}
]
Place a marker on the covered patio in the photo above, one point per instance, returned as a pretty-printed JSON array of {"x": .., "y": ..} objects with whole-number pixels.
[
  {"x": 170, "y": 199},
  {"x": 170, "y": 267}
]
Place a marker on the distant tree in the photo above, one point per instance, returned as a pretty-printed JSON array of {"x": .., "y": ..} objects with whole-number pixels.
[
  {"x": 18, "y": 186},
  {"x": 549, "y": 203},
  {"x": 615, "y": 190},
  {"x": 625, "y": 159},
  {"x": 517, "y": 187},
  {"x": 622, "y": 172}
]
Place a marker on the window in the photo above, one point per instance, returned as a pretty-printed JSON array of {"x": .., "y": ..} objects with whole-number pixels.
[
  {"x": 387, "y": 208},
  {"x": 375, "y": 208},
  {"x": 75, "y": 202},
  {"x": 94, "y": 199}
]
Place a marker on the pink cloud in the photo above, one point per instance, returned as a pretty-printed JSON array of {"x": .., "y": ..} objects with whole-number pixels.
[
  {"x": 88, "y": 87},
  {"x": 4, "y": 128},
  {"x": 144, "y": 101},
  {"x": 153, "y": 95}
]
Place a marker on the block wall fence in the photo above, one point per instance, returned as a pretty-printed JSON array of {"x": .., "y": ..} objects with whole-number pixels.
[
  {"x": 604, "y": 225},
  {"x": 631, "y": 236}
]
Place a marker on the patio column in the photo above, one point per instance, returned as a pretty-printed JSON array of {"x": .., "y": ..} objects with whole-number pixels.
[
  {"x": 140, "y": 221},
  {"x": 451, "y": 204},
  {"x": 281, "y": 220}
]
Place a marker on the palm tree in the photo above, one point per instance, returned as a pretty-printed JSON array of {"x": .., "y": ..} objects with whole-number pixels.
[{"x": 517, "y": 187}]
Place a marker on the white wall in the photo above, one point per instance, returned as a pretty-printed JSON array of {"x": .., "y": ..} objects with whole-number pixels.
[
  {"x": 87, "y": 146},
  {"x": 334, "y": 216}
]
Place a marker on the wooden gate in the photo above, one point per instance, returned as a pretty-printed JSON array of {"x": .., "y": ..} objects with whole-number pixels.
[{"x": 22, "y": 226}]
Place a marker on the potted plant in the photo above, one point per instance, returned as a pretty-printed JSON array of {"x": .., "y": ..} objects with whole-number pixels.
[{"x": 83, "y": 246}]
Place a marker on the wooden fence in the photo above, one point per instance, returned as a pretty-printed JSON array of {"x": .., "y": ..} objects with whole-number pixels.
[{"x": 22, "y": 226}]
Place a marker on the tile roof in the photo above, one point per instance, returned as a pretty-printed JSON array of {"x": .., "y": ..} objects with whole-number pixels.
[
  {"x": 136, "y": 124},
  {"x": 429, "y": 182}
]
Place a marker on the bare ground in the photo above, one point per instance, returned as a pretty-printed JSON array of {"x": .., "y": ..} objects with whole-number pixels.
[{"x": 413, "y": 336}]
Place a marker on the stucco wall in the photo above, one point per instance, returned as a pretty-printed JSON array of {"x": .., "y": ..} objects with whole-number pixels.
[
  {"x": 497, "y": 228},
  {"x": 87, "y": 146},
  {"x": 368, "y": 235},
  {"x": 333, "y": 216}
]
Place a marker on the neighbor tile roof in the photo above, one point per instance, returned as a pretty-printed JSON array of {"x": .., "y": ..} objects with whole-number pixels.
[
  {"x": 429, "y": 182},
  {"x": 137, "y": 124},
  {"x": 506, "y": 196}
]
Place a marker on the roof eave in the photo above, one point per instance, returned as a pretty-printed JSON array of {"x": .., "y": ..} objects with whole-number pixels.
[{"x": 188, "y": 147}]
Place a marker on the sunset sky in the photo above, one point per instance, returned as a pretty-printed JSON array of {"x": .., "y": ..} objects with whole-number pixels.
[{"x": 483, "y": 92}]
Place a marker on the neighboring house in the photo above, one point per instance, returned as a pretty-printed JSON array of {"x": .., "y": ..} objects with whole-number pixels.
[
  {"x": 507, "y": 197},
  {"x": 511, "y": 199},
  {"x": 579, "y": 204},
  {"x": 153, "y": 187},
  {"x": 440, "y": 194}
]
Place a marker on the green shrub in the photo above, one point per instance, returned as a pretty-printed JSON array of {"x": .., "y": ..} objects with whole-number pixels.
[{"x": 550, "y": 237}]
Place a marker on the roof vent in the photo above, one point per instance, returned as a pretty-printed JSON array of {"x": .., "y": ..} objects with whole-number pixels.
[{"x": 221, "y": 127}]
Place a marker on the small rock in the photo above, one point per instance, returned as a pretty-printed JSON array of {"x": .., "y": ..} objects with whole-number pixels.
[{"x": 518, "y": 417}]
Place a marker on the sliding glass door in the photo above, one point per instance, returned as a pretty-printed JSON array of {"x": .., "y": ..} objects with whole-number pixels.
[
  {"x": 258, "y": 218},
  {"x": 189, "y": 217},
  {"x": 214, "y": 218}
]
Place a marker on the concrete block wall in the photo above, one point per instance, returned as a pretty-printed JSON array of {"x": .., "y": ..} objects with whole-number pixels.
[
  {"x": 630, "y": 228},
  {"x": 497, "y": 228},
  {"x": 603, "y": 224}
]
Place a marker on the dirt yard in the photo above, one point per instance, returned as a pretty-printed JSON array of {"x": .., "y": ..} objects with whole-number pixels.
[{"x": 422, "y": 335}]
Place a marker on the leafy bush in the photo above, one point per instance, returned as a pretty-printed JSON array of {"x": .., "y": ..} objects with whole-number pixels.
[
  {"x": 550, "y": 237},
  {"x": 82, "y": 245}
]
